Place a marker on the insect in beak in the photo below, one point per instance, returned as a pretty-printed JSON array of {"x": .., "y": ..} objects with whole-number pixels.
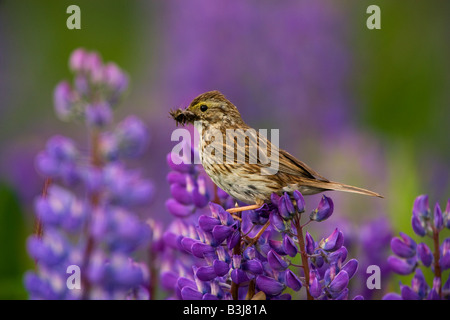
[{"x": 182, "y": 116}]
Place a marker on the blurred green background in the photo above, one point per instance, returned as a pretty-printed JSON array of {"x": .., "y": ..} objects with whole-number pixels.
[{"x": 398, "y": 85}]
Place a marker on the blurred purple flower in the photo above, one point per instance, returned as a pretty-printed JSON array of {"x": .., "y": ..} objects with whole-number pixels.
[{"x": 91, "y": 226}]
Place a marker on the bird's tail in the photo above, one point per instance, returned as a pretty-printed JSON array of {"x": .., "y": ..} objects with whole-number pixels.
[{"x": 344, "y": 187}]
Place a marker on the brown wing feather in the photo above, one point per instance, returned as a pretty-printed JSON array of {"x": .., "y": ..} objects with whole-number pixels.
[
  {"x": 291, "y": 165},
  {"x": 287, "y": 163}
]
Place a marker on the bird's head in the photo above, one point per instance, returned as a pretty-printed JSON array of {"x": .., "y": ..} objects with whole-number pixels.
[{"x": 209, "y": 108}]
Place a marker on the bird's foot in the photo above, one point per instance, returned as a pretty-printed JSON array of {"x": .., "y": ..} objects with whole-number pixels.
[{"x": 244, "y": 208}]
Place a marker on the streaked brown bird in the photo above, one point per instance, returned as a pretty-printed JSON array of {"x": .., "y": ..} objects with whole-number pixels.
[{"x": 242, "y": 161}]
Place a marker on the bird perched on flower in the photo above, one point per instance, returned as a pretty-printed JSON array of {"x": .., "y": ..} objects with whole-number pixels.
[{"x": 242, "y": 161}]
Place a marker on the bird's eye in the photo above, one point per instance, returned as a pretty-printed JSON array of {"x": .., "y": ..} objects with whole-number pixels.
[{"x": 203, "y": 107}]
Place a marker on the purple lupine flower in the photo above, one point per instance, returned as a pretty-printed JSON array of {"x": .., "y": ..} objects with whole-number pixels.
[
  {"x": 187, "y": 185},
  {"x": 63, "y": 100},
  {"x": 446, "y": 215},
  {"x": 92, "y": 226},
  {"x": 401, "y": 266},
  {"x": 438, "y": 219},
  {"x": 98, "y": 115},
  {"x": 424, "y": 223},
  {"x": 425, "y": 254},
  {"x": 445, "y": 255},
  {"x": 333, "y": 242},
  {"x": 404, "y": 247},
  {"x": 210, "y": 259},
  {"x": 324, "y": 210},
  {"x": 421, "y": 207}
]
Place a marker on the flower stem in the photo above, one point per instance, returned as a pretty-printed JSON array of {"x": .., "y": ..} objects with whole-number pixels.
[
  {"x": 38, "y": 228},
  {"x": 153, "y": 274},
  {"x": 304, "y": 256},
  {"x": 95, "y": 200},
  {"x": 235, "y": 286},
  {"x": 436, "y": 254}
]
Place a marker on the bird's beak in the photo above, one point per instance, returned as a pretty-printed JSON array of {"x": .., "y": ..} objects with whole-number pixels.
[{"x": 183, "y": 116}]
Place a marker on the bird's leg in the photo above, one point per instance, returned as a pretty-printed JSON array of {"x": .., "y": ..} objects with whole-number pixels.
[{"x": 245, "y": 208}]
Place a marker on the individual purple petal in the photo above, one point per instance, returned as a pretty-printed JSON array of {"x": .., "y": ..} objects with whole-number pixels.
[
  {"x": 438, "y": 218},
  {"x": 200, "y": 196},
  {"x": 300, "y": 201},
  {"x": 333, "y": 242},
  {"x": 315, "y": 289},
  {"x": 277, "y": 246},
  {"x": 409, "y": 294},
  {"x": 224, "y": 216},
  {"x": 269, "y": 286},
  {"x": 350, "y": 267},
  {"x": 418, "y": 226},
  {"x": 358, "y": 297},
  {"x": 286, "y": 208},
  {"x": 421, "y": 207},
  {"x": 221, "y": 268},
  {"x": 206, "y": 273},
  {"x": 207, "y": 223},
  {"x": 402, "y": 248},
  {"x": 253, "y": 266},
  {"x": 177, "y": 177},
  {"x": 433, "y": 295},
  {"x": 179, "y": 164},
  {"x": 309, "y": 243},
  {"x": 114, "y": 77},
  {"x": 338, "y": 255},
  {"x": 444, "y": 261},
  {"x": 289, "y": 246},
  {"x": 277, "y": 222},
  {"x": 181, "y": 194},
  {"x": 172, "y": 240},
  {"x": 419, "y": 284},
  {"x": 234, "y": 239},
  {"x": 392, "y": 296},
  {"x": 76, "y": 60},
  {"x": 188, "y": 293},
  {"x": 200, "y": 249},
  {"x": 292, "y": 281},
  {"x": 220, "y": 233},
  {"x": 178, "y": 209},
  {"x": 239, "y": 276},
  {"x": 249, "y": 253},
  {"x": 339, "y": 282},
  {"x": 343, "y": 295},
  {"x": 324, "y": 210},
  {"x": 446, "y": 215},
  {"x": 401, "y": 266},
  {"x": 425, "y": 254},
  {"x": 276, "y": 262},
  {"x": 209, "y": 296},
  {"x": 274, "y": 198},
  {"x": 185, "y": 282}
]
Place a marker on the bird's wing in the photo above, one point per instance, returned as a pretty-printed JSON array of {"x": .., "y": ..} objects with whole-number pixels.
[
  {"x": 267, "y": 154},
  {"x": 291, "y": 165}
]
